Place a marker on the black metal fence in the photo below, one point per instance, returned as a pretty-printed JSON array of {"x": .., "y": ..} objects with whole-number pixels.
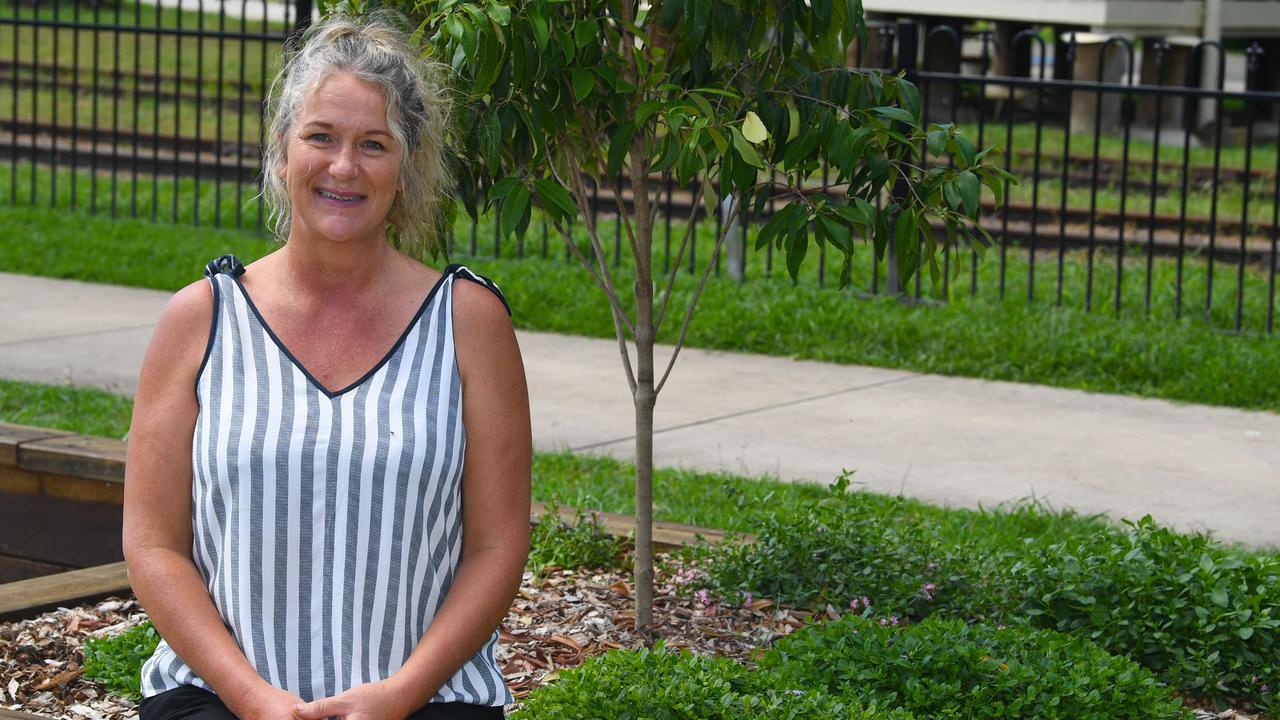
[
  {"x": 148, "y": 109},
  {"x": 1140, "y": 193}
]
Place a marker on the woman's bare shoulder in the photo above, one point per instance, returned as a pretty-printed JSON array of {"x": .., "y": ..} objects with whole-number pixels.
[{"x": 182, "y": 332}]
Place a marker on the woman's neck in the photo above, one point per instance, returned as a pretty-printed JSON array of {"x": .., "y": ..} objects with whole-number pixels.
[{"x": 336, "y": 271}]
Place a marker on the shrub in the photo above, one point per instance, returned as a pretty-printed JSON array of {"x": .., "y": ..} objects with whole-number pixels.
[
  {"x": 116, "y": 661},
  {"x": 582, "y": 544},
  {"x": 1204, "y": 617},
  {"x": 665, "y": 685},
  {"x": 849, "y": 546},
  {"x": 949, "y": 669}
]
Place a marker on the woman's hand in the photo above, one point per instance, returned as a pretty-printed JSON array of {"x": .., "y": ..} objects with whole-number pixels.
[
  {"x": 266, "y": 702},
  {"x": 374, "y": 701}
]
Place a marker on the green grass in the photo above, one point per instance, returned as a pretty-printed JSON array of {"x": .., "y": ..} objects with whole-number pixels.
[
  {"x": 80, "y": 410},
  {"x": 988, "y": 338},
  {"x": 197, "y": 64},
  {"x": 1262, "y": 155}
]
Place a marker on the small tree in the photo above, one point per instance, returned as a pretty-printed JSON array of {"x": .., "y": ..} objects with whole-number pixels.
[{"x": 731, "y": 98}]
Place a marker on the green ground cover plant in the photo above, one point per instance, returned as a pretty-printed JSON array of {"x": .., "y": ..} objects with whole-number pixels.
[
  {"x": 116, "y": 661},
  {"x": 983, "y": 337},
  {"x": 582, "y": 543},
  {"x": 662, "y": 684},
  {"x": 1204, "y": 617},
  {"x": 950, "y": 669}
]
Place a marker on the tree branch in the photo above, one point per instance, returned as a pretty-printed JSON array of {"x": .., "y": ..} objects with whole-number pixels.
[
  {"x": 675, "y": 265},
  {"x": 602, "y": 276},
  {"x": 693, "y": 301}
]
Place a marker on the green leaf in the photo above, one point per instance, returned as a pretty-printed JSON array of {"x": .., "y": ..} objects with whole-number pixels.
[
  {"x": 513, "y": 209},
  {"x": 583, "y": 81},
  {"x": 697, "y": 13},
  {"x": 584, "y": 34},
  {"x": 555, "y": 200},
  {"x": 960, "y": 145},
  {"x": 895, "y": 113},
  {"x": 970, "y": 191},
  {"x": 937, "y": 140},
  {"x": 906, "y": 242},
  {"x": 744, "y": 149},
  {"x": 797, "y": 247},
  {"x": 909, "y": 97},
  {"x": 619, "y": 146},
  {"x": 541, "y": 31},
  {"x": 1220, "y": 597},
  {"x": 646, "y": 111},
  {"x": 837, "y": 232},
  {"x": 500, "y": 14},
  {"x": 709, "y": 200},
  {"x": 1245, "y": 633},
  {"x": 719, "y": 140},
  {"x": 995, "y": 184},
  {"x": 502, "y": 188},
  {"x": 753, "y": 130}
]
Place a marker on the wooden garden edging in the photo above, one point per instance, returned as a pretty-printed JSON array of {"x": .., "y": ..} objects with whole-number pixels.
[{"x": 61, "y": 496}]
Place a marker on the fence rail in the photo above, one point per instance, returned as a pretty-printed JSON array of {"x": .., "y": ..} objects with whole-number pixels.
[{"x": 1140, "y": 192}]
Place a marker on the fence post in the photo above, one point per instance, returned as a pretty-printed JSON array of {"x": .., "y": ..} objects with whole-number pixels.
[
  {"x": 908, "y": 48},
  {"x": 302, "y": 17}
]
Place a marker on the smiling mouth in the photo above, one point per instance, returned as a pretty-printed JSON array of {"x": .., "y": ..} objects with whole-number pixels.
[{"x": 339, "y": 197}]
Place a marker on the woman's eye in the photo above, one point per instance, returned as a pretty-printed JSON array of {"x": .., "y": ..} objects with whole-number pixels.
[
  {"x": 318, "y": 137},
  {"x": 374, "y": 145}
]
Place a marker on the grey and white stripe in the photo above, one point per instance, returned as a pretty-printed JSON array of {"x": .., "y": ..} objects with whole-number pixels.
[{"x": 327, "y": 525}]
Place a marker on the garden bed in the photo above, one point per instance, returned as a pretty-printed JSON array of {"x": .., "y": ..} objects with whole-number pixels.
[{"x": 558, "y": 619}]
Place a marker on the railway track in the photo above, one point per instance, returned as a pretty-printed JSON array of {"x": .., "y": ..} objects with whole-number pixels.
[{"x": 1043, "y": 226}]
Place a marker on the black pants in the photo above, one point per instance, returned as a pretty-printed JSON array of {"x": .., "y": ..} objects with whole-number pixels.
[{"x": 192, "y": 703}]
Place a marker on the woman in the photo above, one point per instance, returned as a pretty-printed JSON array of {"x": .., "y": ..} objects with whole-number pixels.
[{"x": 335, "y": 521}]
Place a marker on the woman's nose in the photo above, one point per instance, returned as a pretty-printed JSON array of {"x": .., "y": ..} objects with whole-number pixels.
[{"x": 344, "y": 165}]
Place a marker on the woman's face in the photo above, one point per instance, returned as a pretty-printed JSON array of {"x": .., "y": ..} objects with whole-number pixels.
[{"x": 342, "y": 167}]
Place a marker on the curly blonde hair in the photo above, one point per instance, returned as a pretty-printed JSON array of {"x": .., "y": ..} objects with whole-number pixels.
[{"x": 375, "y": 49}]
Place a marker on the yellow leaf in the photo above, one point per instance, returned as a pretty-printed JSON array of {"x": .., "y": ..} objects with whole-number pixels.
[{"x": 753, "y": 130}]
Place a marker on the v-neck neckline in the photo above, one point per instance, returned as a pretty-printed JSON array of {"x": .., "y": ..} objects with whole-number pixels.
[{"x": 332, "y": 394}]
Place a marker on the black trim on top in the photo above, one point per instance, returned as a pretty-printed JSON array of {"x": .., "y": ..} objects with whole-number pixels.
[
  {"x": 226, "y": 264},
  {"x": 485, "y": 282},
  {"x": 213, "y": 329},
  {"x": 385, "y": 358}
]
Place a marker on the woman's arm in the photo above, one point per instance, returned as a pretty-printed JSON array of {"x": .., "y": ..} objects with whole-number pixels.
[
  {"x": 157, "y": 512},
  {"x": 495, "y": 515}
]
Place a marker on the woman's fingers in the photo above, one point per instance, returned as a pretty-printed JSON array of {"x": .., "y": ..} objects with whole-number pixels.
[{"x": 319, "y": 709}]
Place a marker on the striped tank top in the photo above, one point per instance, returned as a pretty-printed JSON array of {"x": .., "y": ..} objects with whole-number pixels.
[{"x": 327, "y": 526}]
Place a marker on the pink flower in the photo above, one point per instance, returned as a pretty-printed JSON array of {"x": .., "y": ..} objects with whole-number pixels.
[
  {"x": 866, "y": 602},
  {"x": 932, "y": 566},
  {"x": 746, "y": 599},
  {"x": 853, "y": 604},
  {"x": 893, "y": 619},
  {"x": 703, "y": 597}
]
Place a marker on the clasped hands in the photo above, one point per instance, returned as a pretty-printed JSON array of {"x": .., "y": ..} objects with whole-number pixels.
[{"x": 372, "y": 701}]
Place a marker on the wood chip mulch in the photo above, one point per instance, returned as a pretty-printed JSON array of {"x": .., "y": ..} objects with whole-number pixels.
[{"x": 557, "y": 620}]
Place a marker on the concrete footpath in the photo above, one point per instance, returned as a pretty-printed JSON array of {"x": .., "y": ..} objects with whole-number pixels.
[{"x": 946, "y": 440}]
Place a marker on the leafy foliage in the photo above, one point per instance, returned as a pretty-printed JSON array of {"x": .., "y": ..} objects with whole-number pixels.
[
  {"x": 584, "y": 543},
  {"x": 750, "y": 99},
  {"x": 950, "y": 669},
  {"x": 1201, "y": 616},
  {"x": 117, "y": 661},
  {"x": 669, "y": 685}
]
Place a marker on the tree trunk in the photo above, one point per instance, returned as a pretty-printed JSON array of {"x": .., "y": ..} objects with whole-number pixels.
[{"x": 645, "y": 399}]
